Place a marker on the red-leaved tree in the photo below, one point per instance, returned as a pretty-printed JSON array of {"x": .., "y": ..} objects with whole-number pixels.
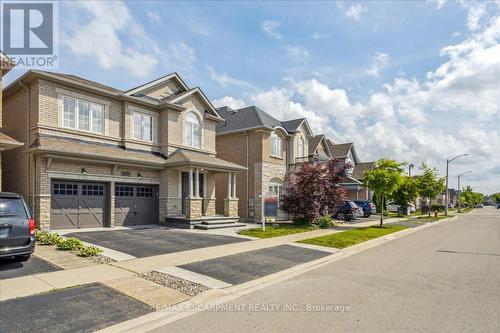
[{"x": 313, "y": 189}]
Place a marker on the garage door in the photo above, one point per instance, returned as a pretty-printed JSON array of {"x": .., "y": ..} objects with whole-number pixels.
[
  {"x": 77, "y": 205},
  {"x": 136, "y": 204}
]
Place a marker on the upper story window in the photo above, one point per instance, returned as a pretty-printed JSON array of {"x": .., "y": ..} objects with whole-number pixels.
[
  {"x": 275, "y": 145},
  {"x": 300, "y": 148},
  {"x": 82, "y": 115},
  {"x": 143, "y": 127},
  {"x": 192, "y": 130},
  {"x": 350, "y": 161}
]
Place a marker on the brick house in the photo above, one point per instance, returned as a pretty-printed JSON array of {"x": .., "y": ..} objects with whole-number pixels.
[
  {"x": 267, "y": 147},
  {"x": 353, "y": 183},
  {"x": 96, "y": 156},
  {"x": 6, "y": 142}
]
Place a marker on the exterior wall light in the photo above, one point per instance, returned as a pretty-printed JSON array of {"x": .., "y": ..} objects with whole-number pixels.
[{"x": 84, "y": 172}]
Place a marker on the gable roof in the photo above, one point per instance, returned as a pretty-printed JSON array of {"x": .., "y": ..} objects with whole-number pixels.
[
  {"x": 157, "y": 82},
  {"x": 361, "y": 168},
  {"x": 7, "y": 63},
  {"x": 204, "y": 99},
  {"x": 293, "y": 125},
  {"x": 315, "y": 141},
  {"x": 245, "y": 118},
  {"x": 339, "y": 150}
]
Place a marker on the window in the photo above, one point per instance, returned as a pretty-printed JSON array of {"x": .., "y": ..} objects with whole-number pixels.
[
  {"x": 275, "y": 145},
  {"x": 350, "y": 160},
  {"x": 93, "y": 190},
  {"x": 124, "y": 191},
  {"x": 300, "y": 148},
  {"x": 144, "y": 191},
  {"x": 65, "y": 189},
  {"x": 192, "y": 130},
  {"x": 83, "y": 115},
  {"x": 276, "y": 187},
  {"x": 143, "y": 127}
]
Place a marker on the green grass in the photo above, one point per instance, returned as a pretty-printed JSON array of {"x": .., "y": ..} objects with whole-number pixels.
[
  {"x": 347, "y": 238},
  {"x": 270, "y": 232}
]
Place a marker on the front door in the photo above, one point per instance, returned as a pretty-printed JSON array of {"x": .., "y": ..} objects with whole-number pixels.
[{"x": 185, "y": 189}]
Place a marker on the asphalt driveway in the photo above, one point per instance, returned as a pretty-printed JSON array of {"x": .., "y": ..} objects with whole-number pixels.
[
  {"x": 80, "y": 309},
  {"x": 142, "y": 243},
  {"x": 10, "y": 269},
  {"x": 247, "y": 266}
]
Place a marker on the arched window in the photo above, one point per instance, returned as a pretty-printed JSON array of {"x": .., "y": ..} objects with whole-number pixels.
[
  {"x": 300, "y": 148},
  {"x": 275, "y": 145},
  {"x": 192, "y": 130}
]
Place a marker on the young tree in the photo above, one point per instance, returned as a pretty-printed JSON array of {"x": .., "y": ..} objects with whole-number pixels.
[
  {"x": 312, "y": 190},
  {"x": 406, "y": 192},
  {"x": 429, "y": 184},
  {"x": 470, "y": 198},
  {"x": 384, "y": 179}
]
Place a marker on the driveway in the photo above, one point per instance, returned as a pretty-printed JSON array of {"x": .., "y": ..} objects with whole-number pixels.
[
  {"x": 247, "y": 266},
  {"x": 10, "y": 269},
  {"x": 142, "y": 243},
  {"x": 79, "y": 309}
]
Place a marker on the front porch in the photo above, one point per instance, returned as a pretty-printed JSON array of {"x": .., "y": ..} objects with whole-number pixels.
[{"x": 190, "y": 194}]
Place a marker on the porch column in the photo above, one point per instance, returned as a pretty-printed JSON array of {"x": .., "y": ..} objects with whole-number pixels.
[
  {"x": 197, "y": 182},
  {"x": 229, "y": 185},
  {"x": 190, "y": 189},
  {"x": 234, "y": 185},
  {"x": 231, "y": 202}
]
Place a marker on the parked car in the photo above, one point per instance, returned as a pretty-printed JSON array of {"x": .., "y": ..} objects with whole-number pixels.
[
  {"x": 498, "y": 206},
  {"x": 391, "y": 207},
  {"x": 346, "y": 211},
  {"x": 479, "y": 206},
  {"x": 367, "y": 206},
  {"x": 17, "y": 228}
]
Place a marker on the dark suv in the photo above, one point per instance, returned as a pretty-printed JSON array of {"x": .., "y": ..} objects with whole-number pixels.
[
  {"x": 17, "y": 228},
  {"x": 367, "y": 206},
  {"x": 345, "y": 211}
]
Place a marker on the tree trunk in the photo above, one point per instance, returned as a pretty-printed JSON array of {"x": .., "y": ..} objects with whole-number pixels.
[
  {"x": 430, "y": 206},
  {"x": 381, "y": 210}
]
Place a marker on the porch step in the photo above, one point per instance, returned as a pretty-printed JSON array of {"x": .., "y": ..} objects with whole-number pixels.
[
  {"x": 220, "y": 221},
  {"x": 211, "y": 226}
]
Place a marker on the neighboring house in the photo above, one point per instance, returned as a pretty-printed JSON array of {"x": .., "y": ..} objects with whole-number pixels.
[
  {"x": 101, "y": 157},
  {"x": 267, "y": 147},
  {"x": 345, "y": 153},
  {"x": 319, "y": 149},
  {"x": 6, "y": 142}
]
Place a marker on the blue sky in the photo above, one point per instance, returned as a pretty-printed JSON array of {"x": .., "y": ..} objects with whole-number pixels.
[{"x": 407, "y": 80}]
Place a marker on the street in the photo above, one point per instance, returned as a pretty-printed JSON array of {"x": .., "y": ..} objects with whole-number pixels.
[{"x": 445, "y": 278}]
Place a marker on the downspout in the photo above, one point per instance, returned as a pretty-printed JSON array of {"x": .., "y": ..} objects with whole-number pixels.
[
  {"x": 247, "y": 176},
  {"x": 31, "y": 175}
]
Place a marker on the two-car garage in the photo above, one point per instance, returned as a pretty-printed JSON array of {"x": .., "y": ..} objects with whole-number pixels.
[{"x": 88, "y": 204}]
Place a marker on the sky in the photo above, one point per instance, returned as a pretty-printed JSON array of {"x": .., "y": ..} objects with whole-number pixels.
[{"x": 412, "y": 81}]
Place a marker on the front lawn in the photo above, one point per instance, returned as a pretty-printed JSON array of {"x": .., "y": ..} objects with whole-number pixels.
[
  {"x": 347, "y": 238},
  {"x": 283, "y": 230}
]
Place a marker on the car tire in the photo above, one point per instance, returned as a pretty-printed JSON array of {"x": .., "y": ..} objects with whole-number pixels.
[
  {"x": 367, "y": 215},
  {"x": 23, "y": 258},
  {"x": 340, "y": 216}
]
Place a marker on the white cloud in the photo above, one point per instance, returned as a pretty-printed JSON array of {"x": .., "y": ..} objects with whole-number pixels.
[
  {"x": 355, "y": 12},
  {"x": 476, "y": 12},
  {"x": 379, "y": 62},
  {"x": 452, "y": 111},
  {"x": 108, "y": 35},
  {"x": 439, "y": 3},
  {"x": 270, "y": 28},
  {"x": 154, "y": 16},
  {"x": 225, "y": 80},
  {"x": 296, "y": 53},
  {"x": 233, "y": 103}
]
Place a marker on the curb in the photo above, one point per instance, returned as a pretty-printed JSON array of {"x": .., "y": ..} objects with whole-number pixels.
[{"x": 218, "y": 296}]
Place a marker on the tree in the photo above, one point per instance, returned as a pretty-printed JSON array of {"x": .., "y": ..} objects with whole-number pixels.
[
  {"x": 471, "y": 198},
  {"x": 429, "y": 184},
  {"x": 406, "y": 192},
  {"x": 384, "y": 179},
  {"x": 496, "y": 198},
  {"x": 313, "y": 189}
]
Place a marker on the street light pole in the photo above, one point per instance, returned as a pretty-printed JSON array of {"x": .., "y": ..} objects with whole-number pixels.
[
  {"x": 460, "y": 191},
  {"x": 447, "y": 194},
  {"x": 410, "y": 166}
]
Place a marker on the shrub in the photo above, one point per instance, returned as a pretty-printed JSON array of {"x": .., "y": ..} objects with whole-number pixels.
[
  {"x": 70, "y": 244},
  {"x": 437, "y": 207},
  {"x": 47, "y": 238},
  {"x": 301, "y": 221},
  {"x": 89, "y": 251},
  {"x": 324, "y": 222}
]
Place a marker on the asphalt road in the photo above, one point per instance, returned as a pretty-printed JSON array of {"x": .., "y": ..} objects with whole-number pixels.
[
  {"x": 445, "y": 278},
  {"x": 154, "y": 241}
]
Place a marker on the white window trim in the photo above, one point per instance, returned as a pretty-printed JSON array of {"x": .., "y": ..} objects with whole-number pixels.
[
  {"x": 77, "y": 101},
  {"x": 276, "y": 138},
  {"x": 143, "y": 116},
  {"x": 200, "y": 123},
  {"x": 299, "y": 153}
]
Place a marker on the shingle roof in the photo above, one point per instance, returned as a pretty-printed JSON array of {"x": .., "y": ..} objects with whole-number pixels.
[
  {"x": 247, "y": 117},
  {"x": 361, "y": 168},
  {"x": 96, "y": 150},
  {"x": 339, "y": 150},
  {"x": 314, "y": 142},
  {"x": 292, "y": 125},
  {"x": 83, "y": 81},
  {"x": 8, "y": 142},
  {"x": 189, "y": 157}
]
